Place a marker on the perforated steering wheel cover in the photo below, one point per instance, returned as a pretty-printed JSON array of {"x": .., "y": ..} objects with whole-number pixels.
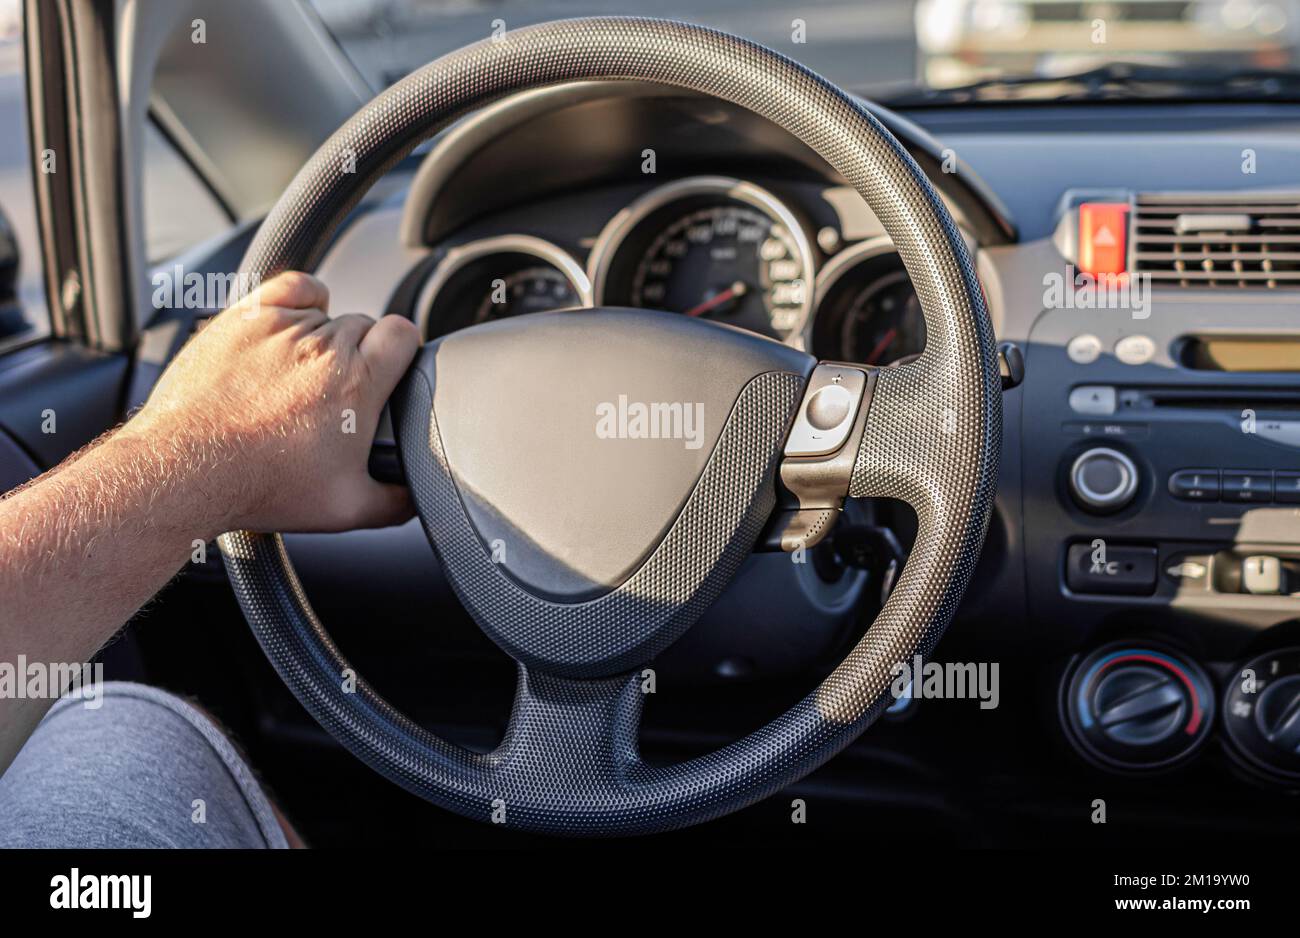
[{"x": 569, "y": 763}]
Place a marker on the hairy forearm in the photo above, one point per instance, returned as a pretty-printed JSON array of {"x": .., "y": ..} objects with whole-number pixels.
[
  {"x": 262, "y": 422},
  {"x": 85, "y": 546}
]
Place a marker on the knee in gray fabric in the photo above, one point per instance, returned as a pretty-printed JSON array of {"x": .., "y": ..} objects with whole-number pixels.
[{"x": 133, "y": 766}]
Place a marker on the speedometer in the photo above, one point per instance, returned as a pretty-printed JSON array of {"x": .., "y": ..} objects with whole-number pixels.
[{"x": 713, "y": 248}]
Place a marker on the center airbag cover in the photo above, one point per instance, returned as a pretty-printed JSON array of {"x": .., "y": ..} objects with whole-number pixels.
[
  {"x": 576, "y": 437},
  {"x": 581, "y": 538}
]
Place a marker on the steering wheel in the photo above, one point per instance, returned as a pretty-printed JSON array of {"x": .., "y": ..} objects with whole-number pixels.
[{"x": 584, "y": 553}]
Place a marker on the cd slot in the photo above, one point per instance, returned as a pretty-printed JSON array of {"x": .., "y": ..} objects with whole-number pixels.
[
  {"x": 1272, "y": 415},
  {"x": 1278, "y": 400}
]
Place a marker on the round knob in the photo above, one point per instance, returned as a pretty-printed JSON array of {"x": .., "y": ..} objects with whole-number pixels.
[
  {"x": 1138, "y": 705},
  {"x": 1103, "y": 479},
  {"x": 1137, "y": 708},
  {"x": 1261, "y": 713},
  {"x": 1278, "y": 714}
]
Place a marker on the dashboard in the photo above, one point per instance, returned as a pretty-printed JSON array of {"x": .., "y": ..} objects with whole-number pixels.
[{"x": 1127, "y": 429}]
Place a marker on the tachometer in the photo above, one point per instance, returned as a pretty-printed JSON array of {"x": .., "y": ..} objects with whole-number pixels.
[
  {"x": 711, "y": 247},
  {"x": 498, "y": 277},
  {"x": 530, "y": 290}
]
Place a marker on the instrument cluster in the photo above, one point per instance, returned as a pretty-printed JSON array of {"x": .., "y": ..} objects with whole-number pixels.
[{"x": 711, "y": 247}]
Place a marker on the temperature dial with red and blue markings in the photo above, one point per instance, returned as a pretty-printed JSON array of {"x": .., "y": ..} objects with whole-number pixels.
[{"x": 1137, "y": 707}]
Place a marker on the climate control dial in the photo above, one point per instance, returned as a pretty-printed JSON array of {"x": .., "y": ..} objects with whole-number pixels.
[
  {"x": 1136, "y": 707},
  {"x": 1261, "y": 712}
]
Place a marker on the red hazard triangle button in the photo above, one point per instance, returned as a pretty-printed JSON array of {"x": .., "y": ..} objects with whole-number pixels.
[{"x": 1103, "y": 229}]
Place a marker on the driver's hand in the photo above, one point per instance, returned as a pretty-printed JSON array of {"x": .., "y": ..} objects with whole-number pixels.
[{"x": 270, "y": 411}]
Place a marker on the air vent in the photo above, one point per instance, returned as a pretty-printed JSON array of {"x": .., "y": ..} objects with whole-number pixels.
[{"x": 1236, "y": 240}]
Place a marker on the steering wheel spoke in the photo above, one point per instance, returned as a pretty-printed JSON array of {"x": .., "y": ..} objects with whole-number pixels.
[
  {"x": 570, "y": 743},
  {"x": 911, "y": 421}
]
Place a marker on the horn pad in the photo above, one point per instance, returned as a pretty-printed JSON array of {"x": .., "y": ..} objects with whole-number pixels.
[{"x": 591, "y": 479}]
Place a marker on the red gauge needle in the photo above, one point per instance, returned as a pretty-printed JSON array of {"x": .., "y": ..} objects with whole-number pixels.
[
  {"x": 736, "y": 289},
  {"x": 883, "y": 344}
]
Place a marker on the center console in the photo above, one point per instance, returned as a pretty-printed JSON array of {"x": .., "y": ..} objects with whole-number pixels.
[
  {"x": 1160, "y": 472},
  {"x": 1162, "y": 497}
]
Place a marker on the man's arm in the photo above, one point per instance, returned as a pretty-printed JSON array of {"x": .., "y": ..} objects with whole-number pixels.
[{"x": 264, "y": 422}]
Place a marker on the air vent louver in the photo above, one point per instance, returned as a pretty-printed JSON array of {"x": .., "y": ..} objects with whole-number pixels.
[{"x": 1235, "y": 240}]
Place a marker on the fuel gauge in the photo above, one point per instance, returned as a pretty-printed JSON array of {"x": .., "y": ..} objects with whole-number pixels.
[{"x": 867, "y": 310}]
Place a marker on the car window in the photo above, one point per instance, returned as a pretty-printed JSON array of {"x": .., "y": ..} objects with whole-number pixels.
[
  {"x": 179, "y": 210},
  {"x": 23, "y": 313}
]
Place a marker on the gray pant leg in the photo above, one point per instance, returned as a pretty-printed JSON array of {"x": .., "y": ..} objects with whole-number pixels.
[{"x": 145, "y": 769}]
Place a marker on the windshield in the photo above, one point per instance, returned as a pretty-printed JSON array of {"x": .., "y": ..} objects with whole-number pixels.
[{"x": 886, "y": 47}]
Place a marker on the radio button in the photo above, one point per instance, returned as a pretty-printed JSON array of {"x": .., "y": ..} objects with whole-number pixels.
[
  {"x": 1135, "y": 349},
  {"x": 1286, "y": 487},
  {"x": 1084, "y": 349},
  {"x": 1247, "y": 485},
  {"x": 1195, "y": 485},
  {"x": 1093, "y": 400}
]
